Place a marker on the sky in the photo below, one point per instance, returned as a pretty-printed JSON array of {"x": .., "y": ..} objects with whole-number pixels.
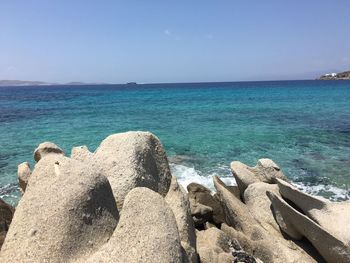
[{"x": 172, "y": 40}]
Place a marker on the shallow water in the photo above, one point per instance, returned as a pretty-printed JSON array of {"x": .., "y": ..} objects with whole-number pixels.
[{"x": 304, "y": 126}]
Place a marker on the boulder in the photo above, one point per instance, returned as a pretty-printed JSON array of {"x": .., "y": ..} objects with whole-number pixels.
[
  {"x": 68, "y": 211},
  {"x": 23, "y": 173},
  {"x": 81, "y": 153},
  {"x": 177, "y": 200},
  {"x": 133, "y": 159},
  {"x": 200, "y": 194},
  {"x": 297, "y": 225},
  {"x": 257, "y": 248},
  {"x": 6, "y": 214},
  {"x": 259, "y": 205},
  {"x": 200, "y": 213},
  {"x": 331, "y": 216},
  {"x": 146, "y": 232},
  {"x": 265, "y": 171},
  {"x": 46, "y": 148},
  {"x": 214, "y": 246},
  {"x": 251, "y": 232}
]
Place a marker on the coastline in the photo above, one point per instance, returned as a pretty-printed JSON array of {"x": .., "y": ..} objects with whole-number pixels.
[{"x": 122, "y": 204}]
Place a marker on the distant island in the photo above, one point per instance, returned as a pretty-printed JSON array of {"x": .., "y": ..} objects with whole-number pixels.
[
  {"x": 10, "y": 83},
  {"x": 336, "y": 76}
]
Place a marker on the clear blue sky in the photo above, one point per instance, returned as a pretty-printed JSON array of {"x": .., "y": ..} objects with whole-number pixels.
[{"x": 172, "y": 41}]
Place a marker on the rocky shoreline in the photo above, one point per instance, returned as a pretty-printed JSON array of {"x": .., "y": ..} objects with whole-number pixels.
[{"x": 121, "y": 204}]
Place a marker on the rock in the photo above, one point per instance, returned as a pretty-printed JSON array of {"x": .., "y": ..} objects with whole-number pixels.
[
  {"x": 177, "y": 200},
  {"x": 133, "y": 159},
  {"x": 214, "y": 246},
  {"x": 68, "y": 211},
  {"x": 258, "y": 248},
  {"x": 200, "y": 213},
  {"x": 81, "y": 153},
  {"x": 146, "y": 232},
  {"x": 265, "y": 171},
  {"x": 234, "y": 190},
  {"x": 260, "y": 205},
  {"x": 6, "y": 214},
  {"x": 297, "y": 225},
  {"x": 46, "y": 148},
  {"x": 331, "y": 216},
  {"x": 23, "y": 173},
  {"x": 250, "y": 232},
  {"x": 202, "y": 195}
]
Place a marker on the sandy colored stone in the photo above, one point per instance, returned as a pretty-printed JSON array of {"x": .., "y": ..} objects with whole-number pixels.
[
  {"x": 177, "y": 200},
  {"x": 214, "y": 246},
  {"x": 297, "y": 225},
  {"x": 239, "y": 217},
  {"x": 6, "y": 214},
  {"x": 201, "y": 194},
  {"x": 23, "y": 173},
  {"x": 133, "y": 159},
  {"x": 331, "y": 216},
  {"x": 259, "y": 205},
  {"x": 265, "y": 171},
  {"x": 81, "y": 153},
  {"x": 46, "y": 148},
  {"x": 146, "y": 232},
  {"x": 68, "y": 211}
]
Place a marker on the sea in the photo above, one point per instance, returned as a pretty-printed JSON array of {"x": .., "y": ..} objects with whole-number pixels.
[{"x": 304, "y": 126}]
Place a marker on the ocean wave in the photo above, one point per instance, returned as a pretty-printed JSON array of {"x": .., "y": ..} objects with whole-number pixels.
[
  {"x": 187, "y": 175},
  {"x": 330, "y": 192}
]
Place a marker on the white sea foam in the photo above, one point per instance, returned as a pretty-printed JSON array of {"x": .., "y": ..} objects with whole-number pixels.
[
  {"x": 334, "y": 193},
  {"x": 187, "y": 175}
]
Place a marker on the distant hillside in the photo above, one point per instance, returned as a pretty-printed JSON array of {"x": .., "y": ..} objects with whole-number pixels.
[
  {"x": 336, "y": 76},
  {"x": 40, "y": 83},
  {"x": 22, "y": 83}
]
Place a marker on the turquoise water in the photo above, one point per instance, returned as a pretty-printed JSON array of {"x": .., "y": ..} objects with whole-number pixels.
[{"x": 304, "y": 126}]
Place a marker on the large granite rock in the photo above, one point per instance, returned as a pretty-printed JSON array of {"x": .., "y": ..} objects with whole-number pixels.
[
  {"x": 46, "y": 148},
  {"x": 177, "y": 200},
  {"x": 81, "y": 153},
  {"x": 146, "y": 232},
  {"x": 6, "y": 214},
  {"x": 133, "y": 159},
  {"x": 297, "y": 225},
  {"x": 252, "y": 234},
  {"x": 23, "y": 173},
  {"x": 214, "y": 246},
  {"x": 259, "y": 205},
  {"x": 202, "y": 195},
  {"x": 331, "y": 216},
  {"x": 265, "y": 171},
  {"x": 68, "y": 211}
]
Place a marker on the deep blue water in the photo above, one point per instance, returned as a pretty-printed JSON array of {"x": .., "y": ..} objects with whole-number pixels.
[{"x": 304, "y": 126}]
